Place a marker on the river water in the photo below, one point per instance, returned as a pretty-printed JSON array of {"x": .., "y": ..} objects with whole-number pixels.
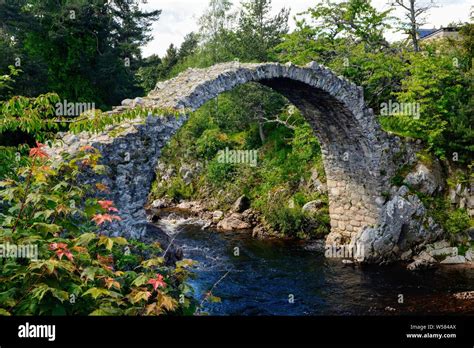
[{"x": 284, "y": 278}]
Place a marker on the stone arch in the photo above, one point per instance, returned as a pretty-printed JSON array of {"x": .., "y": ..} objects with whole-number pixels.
[
  {"x": 354, "y": 147},
  {"x": 351, "y": 139}
]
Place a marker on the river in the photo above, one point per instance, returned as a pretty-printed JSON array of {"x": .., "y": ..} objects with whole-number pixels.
[{"x": 273, "y": 277}]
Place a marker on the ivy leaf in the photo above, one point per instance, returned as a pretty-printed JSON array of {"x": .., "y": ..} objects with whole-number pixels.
[
  {"x": 152, "y": 308},
  {"x": 85, "y": 239},
  {"x": 96, "y": 292},
  {"x": 213, "y": 299},
  {"x": 166, "y": 302},
  {"x": 99, "y": 169},
  {"x": 157, "y": 261},
  {"x": 48, "y": 265},
  {"x": 107, "y": 311},
  {"x": 39, "y": 291},
  {"x": 185, "y": 263},
  {"x": 46, "y": 214},
  {"x": 5, "y": 183},
  {"x": 120, "y": 240},
  {"x": 89, "y": 273},
  {"x": 108, "y": 242},
  {"x": 47, "y": 228},
  {"x": 137, "y": 296},
  {"x": 61, "y": 295},
  {"x": 4, "y": 312},
  {"x": 140, "y": 280},
  {"x": 7, "y": 297}
]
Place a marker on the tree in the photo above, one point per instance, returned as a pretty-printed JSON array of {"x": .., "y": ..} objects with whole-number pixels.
[
  {"x": 150, "y": 72},
  {"x": 258, "y": 32},
  {"x": 356, "y": 20},
  {"x": 87, "y": 51},
  {"x": 414, "y": 13},
  {"x": 170, "y": 59},
  {"x": 215, "y": 29},
  {"x": 189, "y": 46},
  {"x": 348, "y": 38}
]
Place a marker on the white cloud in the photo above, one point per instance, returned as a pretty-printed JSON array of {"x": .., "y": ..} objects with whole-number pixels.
[{"x": 179, "y": 17}]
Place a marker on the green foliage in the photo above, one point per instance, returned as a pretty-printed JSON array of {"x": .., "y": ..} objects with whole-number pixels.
[
  {"x": 400, "y": 175},
  {"x": 293, "y": 221},
  {"x": 210, "y": 142},
  {"x": 219, "y": 173},
  {"x": 76, "y": 271},
  {"x": 178, "y": 189},
  {"x": 348, "y": 38},
  {"x": 258, "y": 32},
  {"x": 34, "y": 116},
  {"x": 289, "y": 221},
  {"x": 6, "y": 82},
  {"x": 78, "y": 49},
  {"x": 150, "y": 72},
  {"x": 442, "y": 91},
  {"x": 215, "y": 29},
  {"x": 23, "y": 119},
  {"x": 11, "y": 158},
  {"x": 458, "y": 222}
]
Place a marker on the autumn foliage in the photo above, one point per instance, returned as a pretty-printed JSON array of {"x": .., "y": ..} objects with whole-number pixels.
[{"x": 78, "y": 269}]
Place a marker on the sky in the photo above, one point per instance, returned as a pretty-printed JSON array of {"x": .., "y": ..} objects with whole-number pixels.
[{"x": 179, "y": 17}]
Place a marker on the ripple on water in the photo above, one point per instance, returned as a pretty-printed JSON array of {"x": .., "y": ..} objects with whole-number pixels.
[{"x": 266, "y": 275}]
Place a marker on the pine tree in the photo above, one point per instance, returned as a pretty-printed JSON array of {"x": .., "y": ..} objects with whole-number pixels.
[{"x": 258, "y": 31}]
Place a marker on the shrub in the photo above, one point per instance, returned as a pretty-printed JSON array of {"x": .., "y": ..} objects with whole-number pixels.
[
  {"x": 210, "y": 142},
  {"x": 77, "y": 270},
  {"x": 288, "y": 221},
  {"x": 457, "y": 222},
  {"x": 219, "y": 173},
  {"x": 178, "y": 190}
]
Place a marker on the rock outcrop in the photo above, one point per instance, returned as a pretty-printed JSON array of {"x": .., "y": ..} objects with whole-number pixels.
[
  {"x": 404, "y": 225},
  {"x": 426, "y": 180}
]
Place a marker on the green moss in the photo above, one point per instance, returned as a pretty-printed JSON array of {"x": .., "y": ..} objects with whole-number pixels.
[
  {"x": 400, "y": 175},
  {"x": 425, "y": 158},
  {"x": 117, "y": 131}
]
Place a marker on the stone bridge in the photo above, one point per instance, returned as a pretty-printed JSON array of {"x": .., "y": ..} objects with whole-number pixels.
[{"x": 357, "y": 154}]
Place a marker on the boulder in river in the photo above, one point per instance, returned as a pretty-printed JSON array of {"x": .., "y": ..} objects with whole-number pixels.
[
  {"x": 173, "y": 252},
  {"x": 454, "y": 260},
  {"x": 403, "y": 226},
  {"x": 233, "y": 222}
]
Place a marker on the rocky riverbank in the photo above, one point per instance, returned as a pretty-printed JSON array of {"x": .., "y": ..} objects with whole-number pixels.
[
  {"x": 439, "y": 253},
  {"x": 241, "y": 217}
]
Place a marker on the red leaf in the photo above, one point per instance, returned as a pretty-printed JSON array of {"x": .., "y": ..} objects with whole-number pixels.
[
  {"x": 99, "y": 219},
  {"x": 157, "y": 282},
  {"x": 107, "y": 205},
  {"x": 37, "y": 152}
]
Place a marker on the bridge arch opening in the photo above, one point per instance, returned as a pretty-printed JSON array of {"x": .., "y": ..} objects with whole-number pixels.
[
  {"x": 347, "y": 131},
  {"x": 354, "y": 148}
]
